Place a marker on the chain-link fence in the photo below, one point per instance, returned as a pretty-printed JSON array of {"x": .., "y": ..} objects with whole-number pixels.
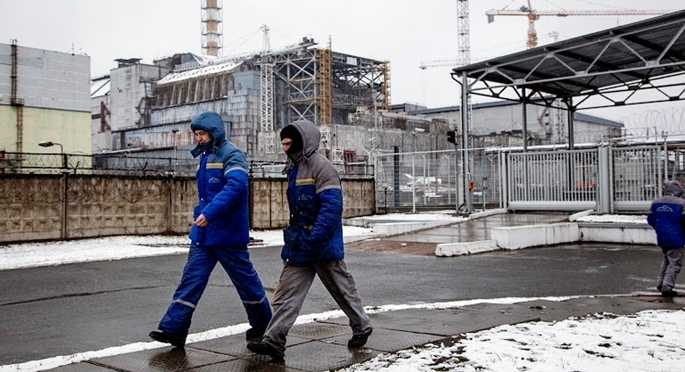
[
  {"x": 435, "y": 180},
  {"x": 417, "y": 180}
]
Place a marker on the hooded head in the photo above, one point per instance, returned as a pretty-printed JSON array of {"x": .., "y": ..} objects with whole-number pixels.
[
  {"x": 304, "y": 131},
  {"x": 673, "y": 188},
  {"x": 212, "y": 123},
  {"x": 294, "y": 135}
]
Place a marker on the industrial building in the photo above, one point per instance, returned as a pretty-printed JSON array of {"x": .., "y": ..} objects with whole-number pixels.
[
  {"x": 140, "y": 107},
  {"x": 144, "y": 109},
  {"x": 44, "y": 98},
  {"x": 147, "y": 108}
]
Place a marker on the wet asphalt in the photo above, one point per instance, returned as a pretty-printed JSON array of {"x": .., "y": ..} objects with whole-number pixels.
[{"x": 61, "y": 310}]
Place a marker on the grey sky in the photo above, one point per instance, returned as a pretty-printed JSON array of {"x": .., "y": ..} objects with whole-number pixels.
[{"x": 405, "y": 32}]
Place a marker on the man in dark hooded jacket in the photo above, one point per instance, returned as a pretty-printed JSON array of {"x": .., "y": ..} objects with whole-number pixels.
[
  {"x": 667, "y": 217},
  {"x": 220, "y": 233},
  {"x": 313, "y": 242}
]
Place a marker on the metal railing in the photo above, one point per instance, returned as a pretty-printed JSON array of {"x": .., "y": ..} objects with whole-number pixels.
[{"x": 606, "y": 178}]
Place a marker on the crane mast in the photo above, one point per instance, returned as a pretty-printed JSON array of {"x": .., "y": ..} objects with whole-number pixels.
[
  {"x": 464, "y": 58},
  {"x": 464, "y": 47}
]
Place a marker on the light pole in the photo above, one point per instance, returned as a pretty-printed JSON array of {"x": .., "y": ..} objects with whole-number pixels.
[{"x": 61, "y": 150}]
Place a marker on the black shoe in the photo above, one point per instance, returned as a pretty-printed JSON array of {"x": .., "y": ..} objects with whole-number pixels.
[
  {"x": 669, "y": 293},
  {"x": 255, "y": 334},
  {"x": 658, "y": 287},
  {"x": 264, "y": 349},
  {"x": 359, "y": 340},
  {"x": 168, "y": 338}
]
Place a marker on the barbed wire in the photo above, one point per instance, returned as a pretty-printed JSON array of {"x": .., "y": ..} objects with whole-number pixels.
[{"x": 650, "y": 122}]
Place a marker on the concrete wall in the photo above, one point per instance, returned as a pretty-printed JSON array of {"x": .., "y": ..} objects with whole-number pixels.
[
  {"x": 47, "y": 207},
  {"x": 46, "y": 78}
]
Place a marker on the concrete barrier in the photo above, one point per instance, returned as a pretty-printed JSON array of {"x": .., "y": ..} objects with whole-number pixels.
[
  {"x": 517, "y": 237},
  {"x": 617, "y": 233},
  {"x": 460, "y": 249}
]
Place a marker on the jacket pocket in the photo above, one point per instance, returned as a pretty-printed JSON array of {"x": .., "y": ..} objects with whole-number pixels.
[{"x": 291, "y": 236}]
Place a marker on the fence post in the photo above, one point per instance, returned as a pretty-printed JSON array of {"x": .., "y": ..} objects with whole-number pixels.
[
  {"x": 396, "y": 177},
  {"x": 64, "y": 205},
  {"x": 504, "y": 179},
  {"x": 604, "y": 180},
  {"x": 170, "y": 203}
]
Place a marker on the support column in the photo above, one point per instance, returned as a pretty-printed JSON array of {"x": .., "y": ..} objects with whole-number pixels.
[
  {"x": 604, "y": 187},
  {"x": 524, "y": 137},
  {"x": 465, "y": 125},
  {"x": 571, "y": 115}
]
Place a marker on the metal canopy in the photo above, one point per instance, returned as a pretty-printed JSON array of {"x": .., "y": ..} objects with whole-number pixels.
[
  {"x": 608, "y": 68},
  {"x": 642, "y": 62}
]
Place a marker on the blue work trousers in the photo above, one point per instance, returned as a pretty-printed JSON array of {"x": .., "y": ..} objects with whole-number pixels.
[{"x": 201, "y": 261}]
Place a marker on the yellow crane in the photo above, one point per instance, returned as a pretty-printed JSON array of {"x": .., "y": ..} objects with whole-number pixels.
[{"x": 534, "y": 15}]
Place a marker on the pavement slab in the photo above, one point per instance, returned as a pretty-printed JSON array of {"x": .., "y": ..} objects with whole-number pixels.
[{"x": 322, "y": 345}]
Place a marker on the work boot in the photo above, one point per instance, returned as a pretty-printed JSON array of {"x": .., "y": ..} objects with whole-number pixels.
[
  {"x": 265, "y": 349},
  {"x": 255, "y": 334},
  {"x": 168, "y": 338},
  {"x": 359, "y": 340},
  {"x": 669, "y": 293}
]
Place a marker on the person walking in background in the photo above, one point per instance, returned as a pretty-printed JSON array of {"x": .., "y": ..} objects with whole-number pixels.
[
  {"x": 220, "y": 233},
  {"x": 667, "y": 217},
  {"x": 313, "y": 242}
]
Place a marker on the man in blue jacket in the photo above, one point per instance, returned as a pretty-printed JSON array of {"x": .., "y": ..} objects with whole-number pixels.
[
  {"x": 220, "y": 233},
  {"x": 313, "y": 242},
  {"x": 667, "y": 217}
]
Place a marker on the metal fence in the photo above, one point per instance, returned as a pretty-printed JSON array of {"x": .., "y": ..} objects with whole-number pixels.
[
  {"x": 606, "y": 178},
  {"x": 416, "y": 180}
]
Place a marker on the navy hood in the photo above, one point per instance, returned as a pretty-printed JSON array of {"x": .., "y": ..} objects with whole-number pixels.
[
  {"x": 673, "y": 188},
  {"x": 212, "y": 123}
]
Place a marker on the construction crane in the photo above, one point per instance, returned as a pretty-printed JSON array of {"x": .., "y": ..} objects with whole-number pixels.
[
  {"x": 266, "y": 94},
  {"x": 534, "y": 15}
]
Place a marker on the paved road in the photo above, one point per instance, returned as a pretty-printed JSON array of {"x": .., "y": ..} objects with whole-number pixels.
[{"x": 74, "y": 308}]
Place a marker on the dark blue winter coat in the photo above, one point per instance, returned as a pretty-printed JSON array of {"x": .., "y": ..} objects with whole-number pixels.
[
  {"x": 222, "y": 187},
  {"x": 667, "y": 217},
  {"x": 315, "y": 201}
]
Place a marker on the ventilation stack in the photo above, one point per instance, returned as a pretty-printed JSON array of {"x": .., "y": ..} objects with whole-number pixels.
[{"x": 212, "y": 28}]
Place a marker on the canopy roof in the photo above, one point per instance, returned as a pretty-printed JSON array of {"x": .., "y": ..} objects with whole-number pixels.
[{"x": 637, "y": 63}]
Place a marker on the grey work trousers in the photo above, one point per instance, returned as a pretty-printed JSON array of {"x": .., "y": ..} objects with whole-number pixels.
[
  {"x": 670, "y": 267},
  {"x": 292, "y": 289}
]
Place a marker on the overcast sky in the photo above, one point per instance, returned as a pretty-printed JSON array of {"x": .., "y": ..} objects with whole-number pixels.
[{"x": 404, "y": 32}]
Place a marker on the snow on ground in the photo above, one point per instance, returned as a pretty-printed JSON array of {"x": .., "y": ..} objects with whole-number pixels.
[
  {"x": 423, "y": 216},
  {"x": 647, "y": 341},
  {"x": 25, "y": 255},
  {"x": 614, "y": 218}
]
